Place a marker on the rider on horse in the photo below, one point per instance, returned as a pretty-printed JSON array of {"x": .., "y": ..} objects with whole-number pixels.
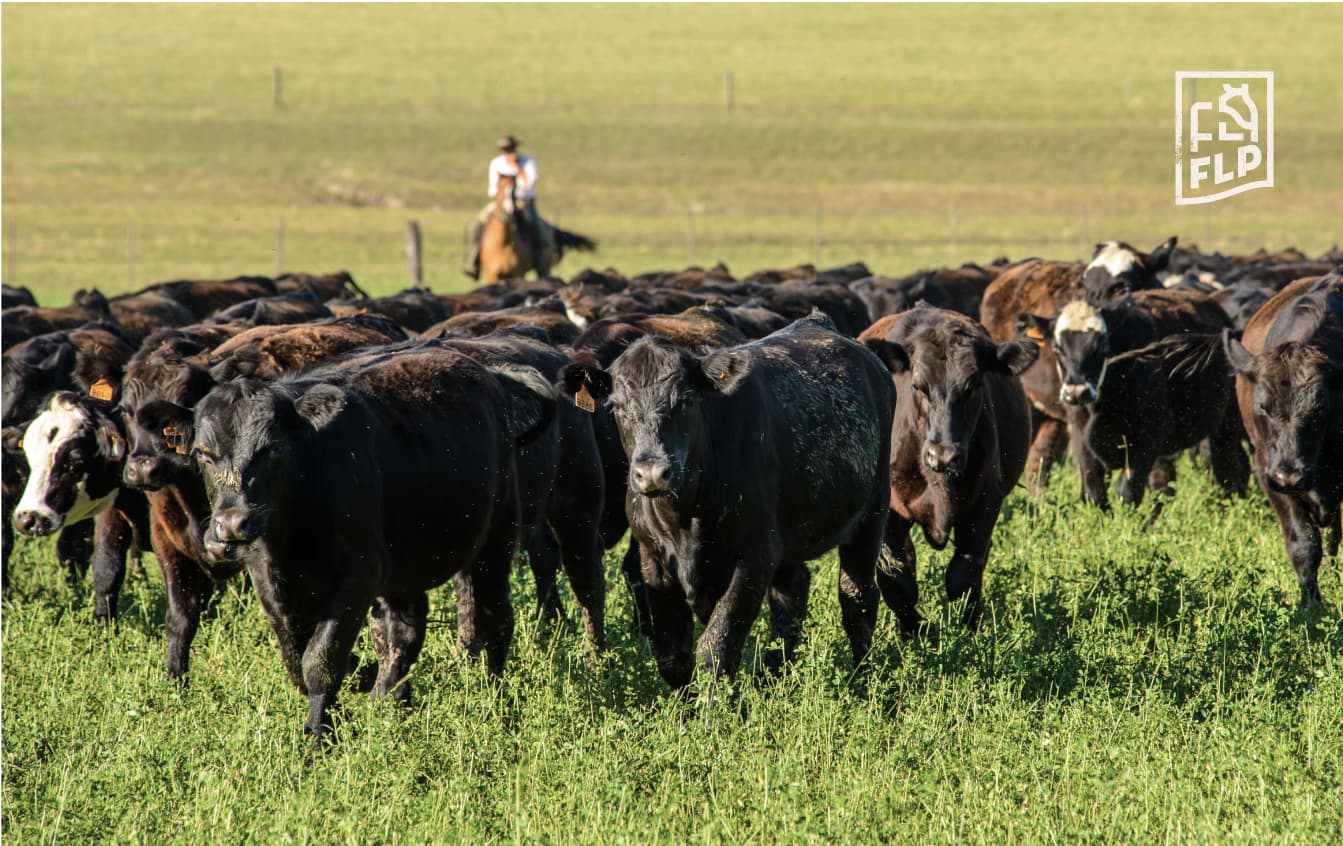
[{"x": 523, "y": 170}]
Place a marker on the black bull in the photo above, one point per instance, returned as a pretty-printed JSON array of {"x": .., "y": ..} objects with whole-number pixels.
[{"x": 745, "y": 464}]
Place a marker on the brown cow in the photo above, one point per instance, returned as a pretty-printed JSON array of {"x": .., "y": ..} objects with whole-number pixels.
[
  {"x": 958, "y": 444},
  {"x": 266, "y": 352},
  {"x": 1289, "y": 385}
]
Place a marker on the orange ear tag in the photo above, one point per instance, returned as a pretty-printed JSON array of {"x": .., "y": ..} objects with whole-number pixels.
[
  {"x": 584, "y": 400},
  {"x": 101, "y": 390},
  {"x": 173, "y": 436}
]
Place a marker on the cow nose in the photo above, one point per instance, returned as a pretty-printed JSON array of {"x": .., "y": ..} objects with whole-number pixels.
[
  {"x": 1287, "y": 477},
  {"x": 33, "y": 524},
  {"x": 941, "y": 458},
  {"x": 650, "y": 477},
  {"x": 138, "y": 472},
  {"x": 233, "y": 526},
  {"x": 1074, "y": 394}
]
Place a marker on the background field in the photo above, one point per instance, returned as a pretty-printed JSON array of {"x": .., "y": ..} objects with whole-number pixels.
[
  {"x": 1040, "y": 129},
  {"x": 1127, "y": 686}
]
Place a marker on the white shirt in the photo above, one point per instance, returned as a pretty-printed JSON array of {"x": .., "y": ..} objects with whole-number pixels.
[{"x": 500, "y": 166}]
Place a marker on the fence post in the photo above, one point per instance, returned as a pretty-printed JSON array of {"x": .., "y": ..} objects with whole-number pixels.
[
  {"x": 728, "y": 94},
  {"x": 413, "y": 245},
  {"x": 1086, "y": 232},
  {"x": 130, "y": 252},
  {"x": 955, "y": 228},
  {"x": 9, "y": 275},
  {"x": 278, "y": 77},
  {"x": 816, "y": 239}
]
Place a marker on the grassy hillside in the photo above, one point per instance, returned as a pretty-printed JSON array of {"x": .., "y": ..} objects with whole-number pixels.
[
  {"x": 918, "y": 135},
  {"x": 1126, "y": 686}
]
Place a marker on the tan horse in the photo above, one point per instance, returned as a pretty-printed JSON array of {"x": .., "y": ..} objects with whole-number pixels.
[{"x": 505, "y": 252}]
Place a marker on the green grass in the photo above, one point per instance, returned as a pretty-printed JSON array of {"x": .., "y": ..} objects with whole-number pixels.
[
  {"x": 1046, "y": 128},
  {"x": 1126, "y": 686}
]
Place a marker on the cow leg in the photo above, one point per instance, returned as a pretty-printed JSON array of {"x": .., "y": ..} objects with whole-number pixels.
[
  {"x": 581, "y": 552},
  {"x": 74, "y": 548},
  {"x": 1226, "y": 454},
  {"x": 896, "y": 576},
  {"x": 326, "y": 658},
  {"x": 113, "y": 537},
  {"x": 188, "y": 589},
  {"x": 858, "y": 594},
  {"x": 788, "y": 594},
  {"x": 396, "y": 628},
  {"x": 672, "y": 626},
  {"x": 965, "y": 572},
  {"x": 632, "y": 567},
  {"x": 1092, "y": 470},
  {"x": 1047, "y": 449},
  {"x": 1131, "y": 483},
  {"x": 484, "y": 612},
  {"x": 1334, "y": 530},
  {"x": 1304, "y": 547},
  {"x": 543, "y": 556},
  {"x": 720, "y": 644},
  {"x": 1162, "y": 476}
]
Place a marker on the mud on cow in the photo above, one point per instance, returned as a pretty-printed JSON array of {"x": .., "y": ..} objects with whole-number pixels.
[
  {"x": 958, "y": 445},
  {"x": 1289, "y": 386},
  {"x": 744, "y": 464},
  {"x": 381, "y": 442}
]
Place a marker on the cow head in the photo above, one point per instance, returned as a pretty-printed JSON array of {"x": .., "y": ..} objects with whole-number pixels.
[
  {"x": 243, "y": 436},
  {"x": 163, "y": 383},
  {"x": 74, "y": 448},
  {"x": 32, "y": 372},
  {"x": 946, "y": 362},
  {"x": 1298, "y": 406},
  {"x": 1117, "y": 268},
  {"x": 655, "y": 390},
  {"x": 1081, "y": 348}
]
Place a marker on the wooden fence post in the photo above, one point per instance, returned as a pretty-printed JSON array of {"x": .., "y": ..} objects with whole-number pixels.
[
  {"x": 130, "y": 252},
  {"x": 690, "y": 233},
  {"x": 9, "y": 275},
  {"x": 279, "y": 248},
  {"x": 413, "y": 246}
]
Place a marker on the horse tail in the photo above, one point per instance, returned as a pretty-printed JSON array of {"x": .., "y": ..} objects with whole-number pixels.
[{"x": 565, "y": 240}]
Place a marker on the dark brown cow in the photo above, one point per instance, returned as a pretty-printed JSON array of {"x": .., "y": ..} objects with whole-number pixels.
[
  {"x": 328, "y": 286},
  {"x": 266, "y": 352},
  {"x": 300, "y": 306},
  {"x": 958, "y": 445},
  {"x": 558, "y": 328},
  {"x": 138, "y": 315},
  {"x": 414, "y": 308},
  {"x": 20, "y": 323},
  {"x": 1289, "y": 386}
]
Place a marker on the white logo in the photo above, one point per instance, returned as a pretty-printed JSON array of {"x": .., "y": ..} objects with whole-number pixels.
[{"x": 1230, "y": 139}]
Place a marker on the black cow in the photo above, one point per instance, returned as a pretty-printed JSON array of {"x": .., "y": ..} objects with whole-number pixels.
[
  {"x": 413, "y": 454},
  {"x": 299, "y": 306},
  {"x": 1130, "y": 404},
  {"x": 17, "y": 296},
  {"x": 744, "y": 465},
  {"x": 1117, "y": 267},
  {"x": 959, "y": 440},
  {"x": 1289, "y": 387}
]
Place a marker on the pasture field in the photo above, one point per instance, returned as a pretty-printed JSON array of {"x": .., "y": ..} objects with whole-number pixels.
[
  {"x": 152, "y": 131},
  {"x": 1126, "y": 686}
]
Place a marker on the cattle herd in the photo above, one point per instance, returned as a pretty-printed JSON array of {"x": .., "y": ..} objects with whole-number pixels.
[{"x": 349, "y": 454}]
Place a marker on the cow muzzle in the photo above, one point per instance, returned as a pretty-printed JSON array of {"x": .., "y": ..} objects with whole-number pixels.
[
  {"x": 230, "y": 529},
  {"x": 651, "y": 478},
  {"x": 36, "y": 524},
  {"x": 142, "y": 473},
  {"x": 1075, "y": 394},
  {"x": 943, "y": 458},
  {"x": 1288, "y": 478}
]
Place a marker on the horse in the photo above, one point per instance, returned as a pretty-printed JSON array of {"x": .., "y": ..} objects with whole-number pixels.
[{"x": 505, "y": 253}]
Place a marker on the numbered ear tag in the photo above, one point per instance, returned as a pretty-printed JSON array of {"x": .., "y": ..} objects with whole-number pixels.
[
  {"x": 173, "y": 436},
  {"x": 584, "y": 400},
  {"x": 101, "y": 390}
]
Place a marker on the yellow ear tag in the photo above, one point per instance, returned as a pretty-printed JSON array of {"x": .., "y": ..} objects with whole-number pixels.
[
  {"x": 584, "y": 400},
  {"x": 101, "y": 390},
  {"x": 1034, "y": 334},
  {"x": 173, "y": 436}
]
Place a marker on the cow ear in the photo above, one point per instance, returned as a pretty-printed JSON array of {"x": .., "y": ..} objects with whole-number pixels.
[
  {"x": 1244, "y": 362},
  {"x": 1159, "y": 259},
  {"x": 1035, "y": 327},
  {"x": 242, "y": 364},
  {"x": 109, "y": 437},
  {"x": 725, "y": 369},
  {"x": 531, "y": 401},
  {"x": 573, "y": 378},
  {"x": 894, "y": 356},
  {"x": 13, "y": 438},
  {"x": 1014, "y": 357},
  {"x": 175, "y": 423},
  {"x": 320, "y": 405}
]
